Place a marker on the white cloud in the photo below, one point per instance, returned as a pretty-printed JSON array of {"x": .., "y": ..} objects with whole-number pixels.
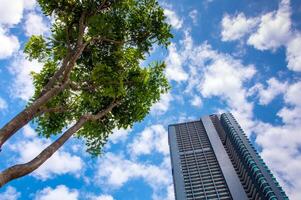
[
  {"x": 10, "y": 194},
  {"x": 234, "y": 95},
  {"x": 194, "y": 16},
  {"x": 11, "y": 12},
  {"x": 215, "y": 74},
  {"x": 29, "y": 132},
  {"x": 237, "y": 26},
  {"x": 274, "y": 29},
  {"x": 9, "y": 44},
  {"x": 29, "y": 4},
  {"x": 163, "y": 105},
  {"x": 173, "y": 18},
  {"x": 21, "y": 68},
  {"x": 170, "y": 193},
  {"x": 293, "y": 55},
  {"x": 114, "y": 171},
  {"x": 224, "y": 77},
  {"x": 31, "y": 147},
  {"x": 103, "y": 197},
  {"x": 60, "y": 192},
  {"x": 282, "y": 152},
  {"x": 34, "y": 25},
  {"x": 267, "y": 94},
  {"x": 151, "y": 139},
  {"x": 174, "y": 62},
  {"x": 178, "y": 58},
  {"x": 196, "y": 101},
  {"x": 119, "y": 135},
  {"x": 292, "y": 97},
  {"x": 3, "y": 104}
]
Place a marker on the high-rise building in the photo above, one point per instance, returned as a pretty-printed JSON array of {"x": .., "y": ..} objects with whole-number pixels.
[{"x": 213, "y": 159}]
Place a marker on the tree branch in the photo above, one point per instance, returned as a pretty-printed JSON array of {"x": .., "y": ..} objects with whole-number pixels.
[
  {"x": 81, "y": 29},
  {"x": 68, "y": 37},
  {"x": 57, "y": 74},
  {"x": 20, "y": 170},
  {"x": 71, "y": 58},
  {"x": 101, "y": 5},
  {"x": 28, "y": 114}
]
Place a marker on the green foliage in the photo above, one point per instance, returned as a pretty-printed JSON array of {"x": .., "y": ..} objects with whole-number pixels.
[
  {"x": 121, "y": 33},
  {"x": 36, "y": 48}
]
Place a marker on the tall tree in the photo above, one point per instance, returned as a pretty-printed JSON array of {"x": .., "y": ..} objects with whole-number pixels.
[{"x": 92, "y": 81}]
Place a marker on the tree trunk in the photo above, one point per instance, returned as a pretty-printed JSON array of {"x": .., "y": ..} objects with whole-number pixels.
[
  {"x": 20, "y": 170},
  {"x": 27, "y": 114}
]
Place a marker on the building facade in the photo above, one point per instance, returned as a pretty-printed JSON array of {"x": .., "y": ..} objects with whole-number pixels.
[{"x": 213, "y": 159}]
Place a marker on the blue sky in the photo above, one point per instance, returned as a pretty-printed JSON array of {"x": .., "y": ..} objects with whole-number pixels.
[{"x": 239, "y": 56}]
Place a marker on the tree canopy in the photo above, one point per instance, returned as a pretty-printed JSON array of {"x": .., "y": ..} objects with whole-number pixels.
[
  {"x": 92, "y": 79},
  {"x": 109, "y": 68}
]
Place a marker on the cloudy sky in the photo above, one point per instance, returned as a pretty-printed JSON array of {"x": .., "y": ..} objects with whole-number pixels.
[{"x": 239, "y": 56}]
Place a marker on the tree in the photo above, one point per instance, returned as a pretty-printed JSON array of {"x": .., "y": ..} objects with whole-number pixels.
[{"x": 91, "y": 81}]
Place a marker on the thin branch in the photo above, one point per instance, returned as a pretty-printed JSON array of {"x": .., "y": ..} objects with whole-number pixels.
[
  {"x": 68, "y": 37},
  {"x": 102, "y": 5},
  {"x": 104, "y": 112},
  {"x": 53, "y": 80},
  {"x": 73, "y": 60}
]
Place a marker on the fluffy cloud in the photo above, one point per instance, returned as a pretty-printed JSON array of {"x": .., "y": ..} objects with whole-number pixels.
[
  {"x": 292, "y": 97},
  {"x": 267, "y": 94},
  {"x": 274, "y": 28},
  {"x": 268, "y": 32},
  {"x": 11, "y": 12},
  {"x": 173, "y": 19},
  {"x": 31, "y": 146},
  {"x": 3, "y": 104},
  {"x": 29, "y": 132},
  {"x": 174, "y": 62},
  {"x": 196, "y": 101},
  {"x": 29, "y": 4},
  {"x": 9, "y": 44},
  {"x": 215, "y": 74},
  {"x": 224, "y": 78},
  {"x": 34, "y": 25},
  {"x": 60, "y": 192},
  {"x": 115, "y": 170},
  {"x": 150, "y": 140},
  {"x": 163, "y": 105},
  {"x": 235, "y": 27},
  {"x": 281, "y": 143},
  {"x": 119, "y": 135},
  {"x": 10, "y": 194},
  {"x": 293, "y": 55},
  {"x": 21, "y": 68}
]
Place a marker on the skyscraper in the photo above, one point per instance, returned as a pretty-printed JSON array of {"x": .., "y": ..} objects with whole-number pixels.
[{"x": 213, "y": 159}]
